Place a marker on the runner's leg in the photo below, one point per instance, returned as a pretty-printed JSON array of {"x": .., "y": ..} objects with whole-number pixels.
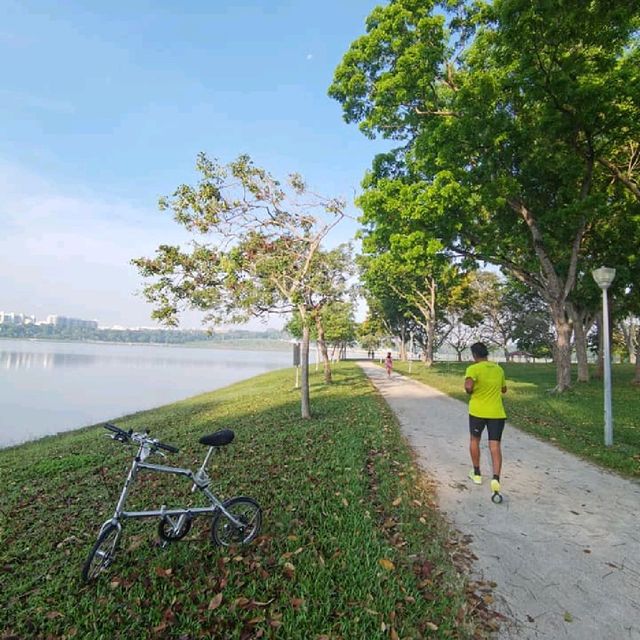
[
  {"x": 494, "y": 429},
  {"x": 496, "y": 456},
  {"x": 474, "y": 450}
]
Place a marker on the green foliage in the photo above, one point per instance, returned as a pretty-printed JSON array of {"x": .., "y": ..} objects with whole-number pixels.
[
  {"x": 519, "y": 124},
  {"x": 337, "y": 319},
  {"x": 351, "y": 540},
  {"x": 265, "y": 257}
]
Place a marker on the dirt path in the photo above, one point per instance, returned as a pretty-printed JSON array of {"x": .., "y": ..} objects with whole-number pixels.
[{"x": 563, "y": 547}]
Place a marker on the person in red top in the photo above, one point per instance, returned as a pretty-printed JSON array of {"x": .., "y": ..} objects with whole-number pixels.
[{"x": 388, "y": 363}]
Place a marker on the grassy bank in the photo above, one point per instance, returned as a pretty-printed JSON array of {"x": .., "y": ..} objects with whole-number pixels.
[
  {"x": 573, "y": 420},
  {"x": 351, "y": 546}
]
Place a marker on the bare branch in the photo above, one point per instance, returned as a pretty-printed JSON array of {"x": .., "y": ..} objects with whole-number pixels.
[{"x": 436, "y": 113}]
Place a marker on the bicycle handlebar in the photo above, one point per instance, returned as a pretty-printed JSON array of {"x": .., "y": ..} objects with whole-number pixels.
[{"x": 140, "y": 438}]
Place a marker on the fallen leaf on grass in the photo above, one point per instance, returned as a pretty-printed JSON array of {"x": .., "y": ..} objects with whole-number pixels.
[
  {"x": 289, "y": 570},
  {"x": 263, "y": 604},
  {"x": 66, "y": 541},
  {"x": 52, "y": 615},
  {"x": 426, "y": 569},
  {"x": 386, "y": 564},
  {"x": 163, "y": 573},
  {"x": 160, "y": 628},
  {"x": 215, "y": 602},
  {"x": 296, "y": 603},
  {"x": 431, "y": 626},
  {"x": 241, "y": 603}
]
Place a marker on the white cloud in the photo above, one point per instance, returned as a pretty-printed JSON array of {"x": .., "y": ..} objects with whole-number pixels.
[{"x": 309, "y": 56}]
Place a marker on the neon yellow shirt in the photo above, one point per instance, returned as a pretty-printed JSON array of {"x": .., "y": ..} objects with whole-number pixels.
[{"x": 488, "y": 381}]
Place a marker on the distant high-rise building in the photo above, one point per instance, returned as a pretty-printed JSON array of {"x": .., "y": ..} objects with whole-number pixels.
[
  {"x": 64, "y": 322},
  {"x": 61, "y": 322},
  {"x": 11, "y": 318}
]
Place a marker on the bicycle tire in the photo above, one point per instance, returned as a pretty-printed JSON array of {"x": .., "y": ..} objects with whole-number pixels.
[
  {"x": 224, "y": 533},
  {"x": 103, "y": 551}
]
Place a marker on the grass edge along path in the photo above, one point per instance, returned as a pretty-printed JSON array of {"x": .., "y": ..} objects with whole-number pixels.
[
  {"x": 572, "y": 421},
  {"x": 351, "y": 547}
]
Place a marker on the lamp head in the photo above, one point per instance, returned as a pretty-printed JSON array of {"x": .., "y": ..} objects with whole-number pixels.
[{"x": 604, "y": 276}]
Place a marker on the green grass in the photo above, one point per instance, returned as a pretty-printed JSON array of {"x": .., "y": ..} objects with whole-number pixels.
[
  {"x": 340, "y": 494},
  {"x": 573, "y": 420}
]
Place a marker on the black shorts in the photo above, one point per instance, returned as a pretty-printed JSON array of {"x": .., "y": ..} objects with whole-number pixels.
[{"x": 494, "y": 426}]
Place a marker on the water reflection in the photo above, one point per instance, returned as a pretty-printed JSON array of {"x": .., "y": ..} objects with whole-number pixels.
[
  {"x": 49, "y": 360},
  {"x": 26, "y": 360}
]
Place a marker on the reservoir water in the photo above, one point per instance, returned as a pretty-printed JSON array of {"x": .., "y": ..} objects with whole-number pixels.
[{"x": 48, "y": 387}]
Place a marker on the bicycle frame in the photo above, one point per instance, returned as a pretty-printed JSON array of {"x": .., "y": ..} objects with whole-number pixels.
[{"x": 200, "y": 481}]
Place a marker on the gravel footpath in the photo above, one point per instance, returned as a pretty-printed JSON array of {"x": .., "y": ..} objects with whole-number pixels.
[{"x": 563, "y": 547}]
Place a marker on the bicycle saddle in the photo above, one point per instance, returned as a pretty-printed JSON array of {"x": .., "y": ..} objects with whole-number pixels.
[{"x": 218, "y": 439}]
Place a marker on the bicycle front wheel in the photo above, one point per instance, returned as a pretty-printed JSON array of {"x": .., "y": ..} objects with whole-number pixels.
[
  {"x": 248, "y": 515},
  {"x": 102, "y": 554}
]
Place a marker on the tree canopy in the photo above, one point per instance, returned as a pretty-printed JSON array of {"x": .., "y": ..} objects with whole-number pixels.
[
  {"x": 517, "y": 125},
  {"x": 257, "y": 250}
]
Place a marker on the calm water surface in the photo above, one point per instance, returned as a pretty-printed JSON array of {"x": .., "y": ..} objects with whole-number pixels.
[{"x": 48, "y": 387}]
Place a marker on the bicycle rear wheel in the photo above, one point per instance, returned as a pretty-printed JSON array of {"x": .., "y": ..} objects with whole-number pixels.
[
  {"x": 224, "y": 532},
  {"x": 102, "y": 554}
]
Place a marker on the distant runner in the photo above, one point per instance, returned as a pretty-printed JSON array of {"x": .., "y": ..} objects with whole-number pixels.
[
  {"x": 388, "y": 363},
  {"x": 484, "y": 381}
]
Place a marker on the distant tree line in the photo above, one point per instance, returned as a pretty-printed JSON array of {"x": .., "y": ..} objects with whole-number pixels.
[{"x": 143, "y": 336}]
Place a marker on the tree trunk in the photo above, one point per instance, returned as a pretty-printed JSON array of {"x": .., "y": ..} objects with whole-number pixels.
[
  {"x": 428, "y": 350},
  {"x": 323, "y": 351},
  {"x": 636, "y": 377},
  {"x": 562, "y": 348},
  {"x": 304, "y": 371},
  {"x": 402, "y": 352},
  {"x": 581, "y": 349},
  {"x": 507, "y": 355},
  {"x": 629, "y": 333}
]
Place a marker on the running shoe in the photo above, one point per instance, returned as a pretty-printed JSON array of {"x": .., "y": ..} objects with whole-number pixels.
[
  {"x": 476, "y": 479},
  {"x": 495, "y": 486}
]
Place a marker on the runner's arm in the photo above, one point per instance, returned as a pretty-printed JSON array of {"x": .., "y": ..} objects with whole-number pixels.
[{"x": 468, "y": 385}]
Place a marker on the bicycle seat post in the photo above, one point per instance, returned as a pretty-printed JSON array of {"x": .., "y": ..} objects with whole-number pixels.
[
  {"x": 206, "y": 458},
  {"x": 201, "y": 473}
]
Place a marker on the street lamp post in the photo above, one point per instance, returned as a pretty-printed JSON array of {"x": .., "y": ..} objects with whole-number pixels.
[{"x": 604, "y": 277}]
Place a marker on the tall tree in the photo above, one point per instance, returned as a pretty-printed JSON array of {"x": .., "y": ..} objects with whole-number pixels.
[
  {"x": 263, "y": 253},
  {"x": 509, "y": 113},
  {"x": 333, "y": 326},
  {"x": 493, "y": 303}
]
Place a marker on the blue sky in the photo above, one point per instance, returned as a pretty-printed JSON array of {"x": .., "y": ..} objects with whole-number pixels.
[{"x": 104, "y": 106}]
